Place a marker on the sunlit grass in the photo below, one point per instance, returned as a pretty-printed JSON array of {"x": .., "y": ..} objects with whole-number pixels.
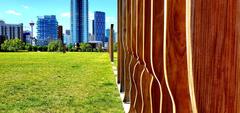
[{"x": 56, "y": 82}]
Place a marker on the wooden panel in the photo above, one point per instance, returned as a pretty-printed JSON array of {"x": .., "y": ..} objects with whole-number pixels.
[
  {"x": 214, "y": 54},
  {"x": 140, "y": 66},
  {"x": 133, "y": 89},
  {"x": 119, "y": 45},
  {"x": 160, "y": 94},
  {"x": 122, "y": 83},
  {"x": 147, "y": 76},
  {"x": 127, "y": 51},
  {"x": 176, "y": 55}
]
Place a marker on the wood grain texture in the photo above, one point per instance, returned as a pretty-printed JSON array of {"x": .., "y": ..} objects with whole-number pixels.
[
  {"x": 140, "y": 66},
  {"x": 159, "y": 89},
  {"x": 147, "y": 76},
  {"x": 215, "y": 54},
  {"x": 121, "y": 52},
  {"x": 176, "y": 55},
  {"x": 133, "y": 88},
  {"x": 119, "y": 45},
  {"x": 127, "y": 50}
]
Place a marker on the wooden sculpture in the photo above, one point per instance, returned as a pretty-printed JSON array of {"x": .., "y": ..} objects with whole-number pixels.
[
  {"x": 215, "y": 45},
  {"x": 159, "y": 93},
  {"x": 147, "y": 76},
  {"x": 176, "y": 55},
  {"x": 127, "y": 50},
  {"x": 140, "y": 65},
  {"x": 180, "y": 56},
  {"x": 119, "y": 46},
  {"x": 110, "y": 44},
  {"x": 133, "y": 88}
]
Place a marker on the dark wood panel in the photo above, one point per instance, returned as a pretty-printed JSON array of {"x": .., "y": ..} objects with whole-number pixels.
[
  {"x": 127, "y": 50},
  {"x": 147, "y": 76},
  {"x": 121, "y": 52},
  {"x": 140, "y": 66},
  {"x": 176, "y": 55},
  {"x": 164, "y": 102},
  {"x": 214, "y": 55},
  {"x": 119, "y": 48},
  {"x": 133, "y": 89}
]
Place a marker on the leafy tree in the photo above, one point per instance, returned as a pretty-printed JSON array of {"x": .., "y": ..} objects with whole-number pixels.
[
  {"x": 35, "y": 48},
  {"x": 12, "y": 45},
  {"x": 28, "y": 47},
  {"x": 115, "y": 47},
  {"x": 85, "y": 47},
  {"x": 55, "y": 46}
]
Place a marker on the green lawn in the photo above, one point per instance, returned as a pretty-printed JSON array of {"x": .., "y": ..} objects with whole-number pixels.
[
  {"x": 115, "y": 59},
  {"x": 57, "y": 83}
]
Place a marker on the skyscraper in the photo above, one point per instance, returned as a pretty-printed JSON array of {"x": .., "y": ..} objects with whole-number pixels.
[
  {"x": 47, "y": 29},
  {"x": 79, "y": 21},
  {"x": 11, "y": 31},
  {"x": 99, "y": 26}
]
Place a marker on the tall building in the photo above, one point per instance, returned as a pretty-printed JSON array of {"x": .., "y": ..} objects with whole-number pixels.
[
  {"x": 108, "y": 35},
  {"x": 79, "y": 21},
  {"x": 93, "y": 27},
  {"x": 67, "y": 37},
  {"x": 99, "y": 26},
  {"x": 47, "y": 29},
  {"x": 60, "y": 33},
  {"x": 11, "y": 31}
]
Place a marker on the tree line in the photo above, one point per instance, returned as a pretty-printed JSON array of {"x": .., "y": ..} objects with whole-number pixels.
[{"x": 15, "y": 45}]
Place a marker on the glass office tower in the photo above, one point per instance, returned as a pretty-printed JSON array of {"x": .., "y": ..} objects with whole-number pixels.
[
  {"x": 99, "y": 26},
  {"x": 47, "y": 29},
  {"x": 79, "y": 21}
]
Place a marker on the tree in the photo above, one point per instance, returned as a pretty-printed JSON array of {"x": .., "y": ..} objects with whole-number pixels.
[
  {"x": 115, "y": 47},
  {"x": 55, "y": 46},
  {"x": 85, "y": 47},
  {"x": 28, "y": 47},
  {"x": 12, "y": 45}
]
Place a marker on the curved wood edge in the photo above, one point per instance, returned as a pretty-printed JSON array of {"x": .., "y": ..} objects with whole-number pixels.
[
  {"x": 156, "y": 89},
  {"x": 189, "y": 56}
]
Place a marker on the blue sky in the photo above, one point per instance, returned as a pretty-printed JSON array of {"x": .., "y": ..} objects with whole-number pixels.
[{"x": 23, "y": 11}]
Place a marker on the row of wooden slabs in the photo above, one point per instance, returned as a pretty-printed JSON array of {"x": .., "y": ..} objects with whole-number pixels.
[{"x": 179, "y": 56}]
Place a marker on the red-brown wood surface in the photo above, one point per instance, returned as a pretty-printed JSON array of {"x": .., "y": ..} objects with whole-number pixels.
[
  {"x": 119, "y": 45},
  {"x": 176, "y": 55},
  {"x": 215, "y": 50},
  {"x": 133, "y": 89},
  {"x": 157, "y": 60},
  {"x": 140, "y": 67},
  {"x": 127, "y": 21},
  {"x": 147, "y": 76},
  {"x": 121, "y": 56}
]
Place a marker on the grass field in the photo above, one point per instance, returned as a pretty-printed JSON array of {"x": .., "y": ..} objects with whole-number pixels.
[{"x": 57, "y": 83}]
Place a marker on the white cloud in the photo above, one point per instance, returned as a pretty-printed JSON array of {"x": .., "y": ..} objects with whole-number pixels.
[
  {"x": 25, "y": 6},
  {"x": 13, "y": 12},
  {"x": 65, "y": 14}
]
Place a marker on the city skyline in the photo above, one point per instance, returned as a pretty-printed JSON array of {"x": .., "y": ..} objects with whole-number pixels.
[{"x": 25, "y": 11}]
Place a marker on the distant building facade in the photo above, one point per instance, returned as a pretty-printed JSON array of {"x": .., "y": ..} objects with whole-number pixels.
[
  {"x": 11, "y": 31},
  {"x": 47, "y": 29},
  {"x": 67, "y": 37},
  {"x": 60, "y": 33},
  {"x": 108, "y": 35},
  {"x": 99, "y": 26},
  {"x": 79, "y": 21}
]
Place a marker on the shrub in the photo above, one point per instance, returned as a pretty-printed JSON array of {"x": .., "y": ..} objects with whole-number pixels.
[
  {"x": 115, "y": 47},
  {"x": 12, "y": 45},
  {"x": 28, "y": 47},
  {"x": 85, "y": 47},
  {"x": 35, "y": 48},
  {"x": 55, "y": 46}
]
